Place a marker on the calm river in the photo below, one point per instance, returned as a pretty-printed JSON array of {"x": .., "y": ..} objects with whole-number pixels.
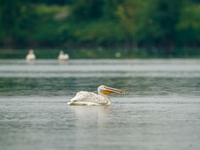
[{"x": 160, "y": 110}]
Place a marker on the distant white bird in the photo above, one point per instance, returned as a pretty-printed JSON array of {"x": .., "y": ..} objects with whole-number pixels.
[
  {"x": 118, "y": 54},
  {"x": 89, "y": 98},
  {"x": 63, "y": 56},
  {"x": 31, "y": 55}
]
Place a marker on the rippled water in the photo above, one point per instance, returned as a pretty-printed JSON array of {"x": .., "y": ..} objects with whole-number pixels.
[{"x": 160, "y": 110}]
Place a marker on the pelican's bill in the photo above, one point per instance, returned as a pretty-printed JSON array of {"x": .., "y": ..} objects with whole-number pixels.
[{"x": 110, "y": 90}]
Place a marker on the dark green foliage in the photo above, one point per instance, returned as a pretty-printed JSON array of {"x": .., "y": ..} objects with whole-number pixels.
[
  {"x": 16, "y": 21},
  {"x": 157, "y": 20},
  {"x": 164, "y": 24},
  {"x": 86, "y": 9},
  {"x": 52, "y": 2}
]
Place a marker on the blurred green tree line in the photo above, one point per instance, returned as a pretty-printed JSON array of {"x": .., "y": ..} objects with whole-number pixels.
[{"x": 131, "y": 23}]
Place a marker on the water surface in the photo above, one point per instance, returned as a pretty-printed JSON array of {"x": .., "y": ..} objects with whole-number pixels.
[{"x": 160, "y": 109}]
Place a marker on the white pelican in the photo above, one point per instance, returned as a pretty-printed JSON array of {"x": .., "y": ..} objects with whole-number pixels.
[
  {"x": 31, "y": 55},
  {"x": 63, "y": 56},
  {"x": 89, "y": 98}
]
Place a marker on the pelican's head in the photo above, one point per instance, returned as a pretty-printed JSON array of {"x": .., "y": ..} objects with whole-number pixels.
[
  {"x": 107, "y": 90},
  {"x": 61, "y": 52},
  {"x": 31, "y": 51}
]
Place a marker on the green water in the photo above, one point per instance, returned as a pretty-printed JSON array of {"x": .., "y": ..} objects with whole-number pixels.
[{"x": 160, "y": 109}]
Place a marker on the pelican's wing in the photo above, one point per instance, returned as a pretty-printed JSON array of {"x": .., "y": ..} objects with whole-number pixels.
[
  {"x": 97, "y": 98},
  {"x": 80, "y": 96}
]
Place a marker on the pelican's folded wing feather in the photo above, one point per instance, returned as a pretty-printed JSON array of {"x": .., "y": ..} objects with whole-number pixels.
[{"x": 80, "y": 96}]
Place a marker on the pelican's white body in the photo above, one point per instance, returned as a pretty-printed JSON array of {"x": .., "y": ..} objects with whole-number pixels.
[
  {"x": 30, "y": 56},
  {"x": 63, "y": 56},
  {"x": 89, "y": 98}
]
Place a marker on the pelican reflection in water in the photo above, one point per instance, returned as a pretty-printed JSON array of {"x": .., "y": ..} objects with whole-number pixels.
[{"x": 89, "y": 98}]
